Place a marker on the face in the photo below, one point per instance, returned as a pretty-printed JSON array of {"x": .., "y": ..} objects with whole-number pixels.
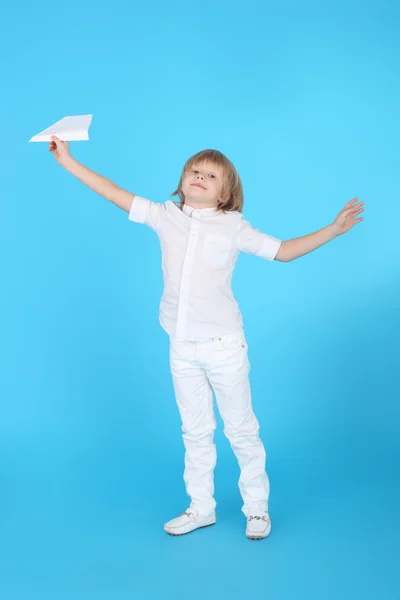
[{"x": 202, "y": 185}]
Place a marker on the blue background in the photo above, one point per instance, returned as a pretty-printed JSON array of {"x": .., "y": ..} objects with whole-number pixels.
[{"x": 303, "y": 97}]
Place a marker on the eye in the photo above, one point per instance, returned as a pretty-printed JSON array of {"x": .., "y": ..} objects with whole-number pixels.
[{"x": 196, "y": 171}]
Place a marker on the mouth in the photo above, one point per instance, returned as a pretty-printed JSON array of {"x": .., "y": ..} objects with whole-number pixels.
[{"x": 198, "y": 185}]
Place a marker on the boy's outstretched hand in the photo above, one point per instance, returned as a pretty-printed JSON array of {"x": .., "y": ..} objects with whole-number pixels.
[
  {"x": 59, "y": 149},
  {"x": 345, "y": 219}
]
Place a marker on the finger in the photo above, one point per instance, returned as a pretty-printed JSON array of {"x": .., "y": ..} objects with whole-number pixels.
[
  {"x": 351, "y": 201},
  {"x": 346, "y": 212},
  {"x": 352, "y": 209}
]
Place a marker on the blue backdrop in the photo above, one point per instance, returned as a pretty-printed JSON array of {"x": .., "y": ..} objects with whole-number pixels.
[{"x": 303, "y": 98}]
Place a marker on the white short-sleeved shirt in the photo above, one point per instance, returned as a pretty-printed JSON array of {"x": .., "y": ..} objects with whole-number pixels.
[{"x": 199, "y": 251}]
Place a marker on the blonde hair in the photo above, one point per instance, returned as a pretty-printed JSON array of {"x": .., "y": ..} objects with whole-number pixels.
[{"x": 232, "y": 191}]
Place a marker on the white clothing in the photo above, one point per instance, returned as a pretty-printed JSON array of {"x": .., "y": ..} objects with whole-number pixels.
[
  {"x": 199, "y": 252},
  {"x": 208, "y": 348},
  {"x": 220, "y": 364}
]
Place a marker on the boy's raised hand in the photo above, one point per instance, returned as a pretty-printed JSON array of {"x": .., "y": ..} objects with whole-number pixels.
[
  {"x": 59, "y": 149},
  {"x": 345, "y": 219}
]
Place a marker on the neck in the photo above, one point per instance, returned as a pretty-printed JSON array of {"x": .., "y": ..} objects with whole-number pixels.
[{"x": 196, "y": 204}]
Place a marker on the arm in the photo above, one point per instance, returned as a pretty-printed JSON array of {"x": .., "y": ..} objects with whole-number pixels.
[
  {"x": 99, "y": 184},
  {"x": 253, "y": 241},
  {"x": 291, "y": 249}
]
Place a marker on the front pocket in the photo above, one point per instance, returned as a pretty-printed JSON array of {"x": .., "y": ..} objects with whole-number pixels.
[
  {"x": 216, "y": 249},
  {"x": 233, "y": 341}
]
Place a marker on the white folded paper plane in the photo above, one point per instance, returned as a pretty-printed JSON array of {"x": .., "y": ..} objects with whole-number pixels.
[{"x": 73, "y": 128}]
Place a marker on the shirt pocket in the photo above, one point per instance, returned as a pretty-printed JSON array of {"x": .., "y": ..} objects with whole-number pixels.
[{"x": 217, "y": 249}]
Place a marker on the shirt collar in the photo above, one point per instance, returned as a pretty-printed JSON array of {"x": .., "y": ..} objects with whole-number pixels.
[{"x": 189, "y": 210}]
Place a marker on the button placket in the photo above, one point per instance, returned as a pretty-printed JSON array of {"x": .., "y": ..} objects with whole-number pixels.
[{"x": 185, "y": 279}]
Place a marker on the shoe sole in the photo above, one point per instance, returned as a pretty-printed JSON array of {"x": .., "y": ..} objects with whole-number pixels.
[
  {"x": 258, "y": 537},
  {"x": 186, "y": 532}
]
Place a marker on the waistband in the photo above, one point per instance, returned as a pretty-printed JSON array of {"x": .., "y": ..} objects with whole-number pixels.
[{"x": 220, "y": 336}]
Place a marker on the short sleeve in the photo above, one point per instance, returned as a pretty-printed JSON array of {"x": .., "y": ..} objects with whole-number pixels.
[
  {"x": 147, "y": 212},
  {"x": 253, "y": 241}
]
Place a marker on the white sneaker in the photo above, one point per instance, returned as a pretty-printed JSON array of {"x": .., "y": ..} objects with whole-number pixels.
[
  {"x": 258, "y": 527},
  {"x": 188, "y": 521}
]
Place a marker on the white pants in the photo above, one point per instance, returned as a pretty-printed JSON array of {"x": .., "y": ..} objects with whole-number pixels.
[{"x": 219, "y": 364}]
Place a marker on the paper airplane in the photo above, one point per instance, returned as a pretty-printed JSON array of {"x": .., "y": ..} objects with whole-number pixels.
[{"x": 73, "y": 128}]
